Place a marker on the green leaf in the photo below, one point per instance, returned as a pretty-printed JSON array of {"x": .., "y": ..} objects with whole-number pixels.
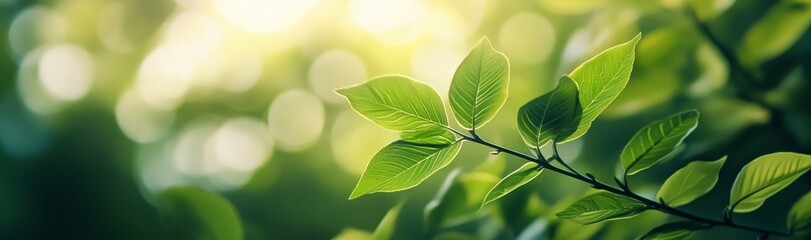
[
  {"x": 515, "y": 179},
  {"x": 459, "y": 199},
  {"x": 674, "y": 231},
  {"x": 197, "y": 214},
  {"x": 402, "y": 104},
  {"x": 775, "y": 32},
  {"x": 656, "y": 140},
  {"x": 402, "y": 165},
  {"x": 353, "y": 234},
  {"x": 601, "y": 79},
  {"x": 765, "y": 176},
  {"x": 602, "y": 206},
  {"x": 479, "y": 86},
  {"x": 799, "y": 217},
  {"x": 549, "y": 117},
  {"x": 568, "y": 230},
  {"x": 385, "y": 229},
  {"x": 690, "y": 182}
]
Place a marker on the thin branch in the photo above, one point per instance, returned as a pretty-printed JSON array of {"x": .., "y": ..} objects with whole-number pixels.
[{"x": 621, "y": 191}]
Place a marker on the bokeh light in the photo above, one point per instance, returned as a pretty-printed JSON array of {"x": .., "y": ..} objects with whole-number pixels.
[
  {"x": 263, "y": 16},
  {"x": 296, "y": 119},
  {"x": 66, "y": 72},
  {"x": 335, "y": 69}
]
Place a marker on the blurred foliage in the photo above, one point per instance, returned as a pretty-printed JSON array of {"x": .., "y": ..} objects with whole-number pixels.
[{"x": 106, "y": 104}]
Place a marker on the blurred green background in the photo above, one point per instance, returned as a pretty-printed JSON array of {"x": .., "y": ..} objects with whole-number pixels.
[{"x": 104, "y": 104}]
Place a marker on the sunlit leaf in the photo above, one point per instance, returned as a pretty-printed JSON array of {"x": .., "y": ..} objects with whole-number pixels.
[
  {"x": 550, "y": 116},
  {"x": 776, "y": 31},
  {"x": 602, "y": 206},
  {"x": 568, "y": 230},
  {"x": 385, "y": 229},
  {"x": 709, "y": 9},
  {"x": 196, "y": 214},
  {"x": 402, "y": 165},
  {"x": 515, "y": 179},
  {"x": 600, "y": 80},
  {"x": 402, "y": 104},
  {"x": 538, "y": 229},
  {"x": 353, "y": 234},
  {"x": 674, "y": 231},
  {"x": 691, "y": 182},
  {"x": 459, "y": 199},
  {"x": 765, "y": 176},
  {"x": 799, "y": 217},
  {"x": 657, "y": 140},
  {"x": 479, "y": 86}
]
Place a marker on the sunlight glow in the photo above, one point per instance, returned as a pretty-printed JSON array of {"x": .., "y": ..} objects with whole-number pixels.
[
  {"x": 396, "y": 21},
  {"x": 241, "y": 144},
  {"x": 66, "y": 72},
  {"x": 296, "y": 119},
  {"x": 264, "y": 16},
  {"x": 335, "y": 69}
]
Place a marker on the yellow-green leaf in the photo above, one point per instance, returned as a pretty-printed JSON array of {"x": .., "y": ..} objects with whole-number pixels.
[
  {"x": 402, "y": 165},
  {"x": 550, "y": 117},
  {"x": 515, "y": 179},
  {"x": 459, "y": 199},
  {"x": 602, "y": 206},
  {"x": 600, "y": 80},
  {"x": 776, "y": 31},
  {"x": 402, "y": 104},
  {"x": 385, "y": 229},
  {"x": 765, "y": 176},
  {"x": 479, "y": 86},
  {"x": 656, "y": 141},
  {"x": 690, "y": 182}
]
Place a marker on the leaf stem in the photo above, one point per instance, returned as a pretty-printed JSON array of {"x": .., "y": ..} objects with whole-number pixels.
[
  {"x": 588, "y": 178},
  {"x": 557, "y": 157}
]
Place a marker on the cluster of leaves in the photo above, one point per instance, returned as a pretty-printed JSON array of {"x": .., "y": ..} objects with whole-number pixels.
[{"x": 480, "y": 88}]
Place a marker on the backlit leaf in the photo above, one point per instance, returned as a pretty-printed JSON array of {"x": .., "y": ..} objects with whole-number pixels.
[
  {"x": 515, "y": 179},
  {"x": 550, "y": 116},
  {"x": 674, "y": 231},
  {"x": 691, "y": 182},
  {"x": 402, "y": 104},
  {"x": 479, "y": 86},
  {"x": 600, "y": 80},
  {"x": 776, "y": 31},
  {"x": 385, "y": 229},
  {"x": 765, "y": 176},
  {"x": 656, "y": 140},
  {"x": 602, "y": 206},
  {"x": 402, "y": 165},
  {"x": 459, "y": 199}
]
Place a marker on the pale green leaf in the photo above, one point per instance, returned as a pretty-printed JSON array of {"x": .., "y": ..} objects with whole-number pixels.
[
  {"x": 197, "y": 214},
  {"x": 459, "y": 199},
  {"x": 568, "y": 230},
  {"x": 691, "y": 182},
  {"x": 479, "y": 86},
  {"x": 600, "y": 80},
  {"x": 602, "y": 206},
  {"x": 353, "y": 234},
  {"x": 674, "y": 231},
  {"x": 402, "y": 104},
  {"x": 515, "y": 179},
  {"x": 776, "y": 31},
  {"x": 799, "y": 217},
  {"x": 550, "y": 117},
  {"x": 402, "y": 165},
  {"x": 385, "y": 229},
  {"x": 656, "y": 141},
  {"x": 765, "y": 176}
]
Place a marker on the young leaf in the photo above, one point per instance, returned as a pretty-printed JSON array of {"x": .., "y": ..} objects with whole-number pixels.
[
  {"x": 690, "y": 182},
  {"x": 602, "y": 206},
  {"x": 385, "y": 229},
  {"x": 515, "y": 179},
  {"x": 459, "y": 199},
  {"x": 197, "y": 214},
  {"x": 674, "y": 231},
  {"x": 656, "y": 140},
  {"x": 601, "y": 79},
  {"x": 549, "y": 116},
  {"x": 765, "y": 176},
  {"x": 776, "y": 31},
  {"x": 403, "y": 104},
  {"x": 799, "y": 217},
  {"x": 353, "y": 234},
  {"x": 479, "y": 86},
  {"x": 402, "y": 165}
]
